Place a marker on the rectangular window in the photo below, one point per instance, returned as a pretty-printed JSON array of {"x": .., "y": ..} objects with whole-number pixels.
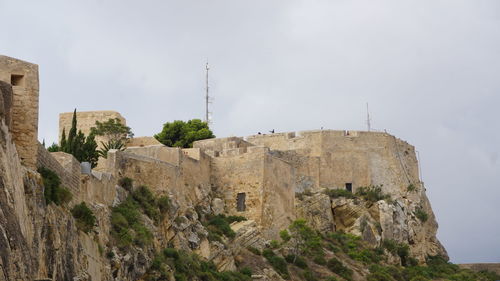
[
  {"x": 348, "y": 186},
  {"x": 17, "y": 80},
  {"x": 240, "y": 202}
]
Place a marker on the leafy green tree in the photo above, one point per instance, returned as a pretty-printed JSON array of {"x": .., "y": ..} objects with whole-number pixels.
[
  {"x": 183, "y": 134},
  {"x": 115, "y": 134}
]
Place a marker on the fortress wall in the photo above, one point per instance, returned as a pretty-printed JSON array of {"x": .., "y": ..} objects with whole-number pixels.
[
  {"x": 63, "y": 164},
  {"x": 23, "y": 77},
  {"x": 241, "y": 174},
  {"x": 97, "y": 190},
  {"x": 195, "y": 174},
  {"x": 307, "y": 169},
  {"x": 161, "y": 177},
  {"x": 86, "y": 120},
  {"x": 278, "y": 196},
  {"x": 161, "y": 152}
]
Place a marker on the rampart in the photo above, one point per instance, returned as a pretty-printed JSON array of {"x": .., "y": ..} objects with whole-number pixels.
[
  {"x": 23, "y": 76},
  {"x": 336, "y": 159}
]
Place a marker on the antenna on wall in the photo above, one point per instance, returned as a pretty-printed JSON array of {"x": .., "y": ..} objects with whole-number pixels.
[
  {"x": 207, "y": 97},
  {"x": 368, "y": 118}
]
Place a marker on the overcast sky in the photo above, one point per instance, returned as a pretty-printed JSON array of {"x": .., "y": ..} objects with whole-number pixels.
[{"x": 429, "y": 70}]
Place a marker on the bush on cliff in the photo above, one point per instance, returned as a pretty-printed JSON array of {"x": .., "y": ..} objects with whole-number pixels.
[
  {"x": 183, "y": 134},
  {"x": 421, "y": 215},
  {"x": 85, "y": 219},
  {"x": 189, "y": 266},
  {"x": 220, "y": 225},
  {"x": 53, "y": 191}
]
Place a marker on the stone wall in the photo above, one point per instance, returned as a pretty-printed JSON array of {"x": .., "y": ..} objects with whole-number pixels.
[
  {"x": 23, "y": 77},
  {"x": 187, "y": 182},
  {"x": 63, "y": 164},
  {"x": 331, "y": 159}
]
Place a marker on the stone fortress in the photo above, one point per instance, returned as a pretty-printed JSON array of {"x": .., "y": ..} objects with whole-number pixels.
[{"x": 260, "y": 177}]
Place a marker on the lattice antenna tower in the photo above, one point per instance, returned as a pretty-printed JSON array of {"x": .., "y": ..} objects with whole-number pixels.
[
  {"x": 208, "y": 99},
  {"x": 368, "y": 119}
]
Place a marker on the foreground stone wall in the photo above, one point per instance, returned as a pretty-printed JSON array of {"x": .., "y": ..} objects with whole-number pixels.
[
  {"x": 23, "y": 76},
  {"x": 63, "y": 164}
]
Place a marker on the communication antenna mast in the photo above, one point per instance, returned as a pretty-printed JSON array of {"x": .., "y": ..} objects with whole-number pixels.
[
  {"x": 207, "y": 97},
  {"x": 368, "y": 118}
]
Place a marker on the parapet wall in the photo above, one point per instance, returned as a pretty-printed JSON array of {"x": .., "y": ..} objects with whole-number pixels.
[{"x": 23, "y": 76}]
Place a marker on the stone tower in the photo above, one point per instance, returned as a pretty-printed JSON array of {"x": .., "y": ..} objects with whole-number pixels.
[{"x": 23, "y": 76}]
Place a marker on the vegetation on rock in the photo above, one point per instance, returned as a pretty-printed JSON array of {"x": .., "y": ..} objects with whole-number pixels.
[
  {"x": 219, "y": 225},
  {"x": 421, "y": 215},
  {"x": 183, "y": 134},
  {"x": 85, "y": 219},
  {"x": 184, "y": 266},
  {"x": 369, "y": 193},
  {"x": 127, "y": 224},
  {"x": 53, "y": 191}
]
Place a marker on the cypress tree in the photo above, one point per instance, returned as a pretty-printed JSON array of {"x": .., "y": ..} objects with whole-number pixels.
[
  {"x": 64, "y": 142},
  {"x": 72, "y": 135}
]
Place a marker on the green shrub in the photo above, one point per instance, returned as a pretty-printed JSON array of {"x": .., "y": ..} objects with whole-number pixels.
[
  {"x": 331, "y": 278},
  {"x": 421, "y": 214},
  {"x": 285, "y": 236},
  {"x": 163, "y": 203},
  {"x": 189, "y": 266},
  {"x": 400, "y": 249},
  {"x": 336, "y": 193},
  {"x": 143, "y": 196},
  {"x": 246, "y": 271},
  {"x": 277, "y": 262},
  {"x": 274, "y": 244},
  {"x": 220, "y": 225},
  {"x": 411, "y": 187},
  {"x": 85, "y": 219},
  {"x": 365, "y": 255},
  {"x": 126, "y": 225},
  {"x": 309, "y": 276},
  {"x": 296, "y": 260},
  {"x": 53, "y": 191},
  {"x": 339, "y": 268},
  {"x": 126, "y": 183},
  {"x": 372, "y": 193},
  {"x": 231, "y": 219},
  {"x": 254, "y": 250},
  {"x": 319, "y": 259}
]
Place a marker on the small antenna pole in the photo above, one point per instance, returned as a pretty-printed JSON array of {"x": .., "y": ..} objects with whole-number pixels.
[
  {"x": 368, "y": 117},
  {"x": 207, "y": 97}
]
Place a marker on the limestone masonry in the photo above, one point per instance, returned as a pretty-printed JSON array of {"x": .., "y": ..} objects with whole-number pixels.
[{"x": 269, "y": 179}]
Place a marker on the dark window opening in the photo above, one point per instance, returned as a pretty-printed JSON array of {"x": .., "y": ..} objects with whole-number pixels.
[
  {"x": 348, "y": 186},
  {"x": 16, "y": 80},
  {"x": 240, "y": 202}
]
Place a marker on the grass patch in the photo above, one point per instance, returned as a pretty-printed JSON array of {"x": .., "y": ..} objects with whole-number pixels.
[
  {"x": 421, "y": 214},
  {"x": 337, "y": 193},
  {"x": 53, "y": 191},
  {"x": 85, "y": 219}
]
